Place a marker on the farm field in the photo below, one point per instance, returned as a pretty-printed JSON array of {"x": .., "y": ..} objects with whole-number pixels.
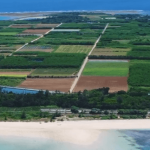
[
  {"x": 15, "y": 70},
  {"x": 82, "y": 26},
  {"x": 46, "y": 25},
  {"x": 55, "y": 72},
  {"x": 39, "y": 48},
  {"x": 11, "y": 80},
  {"x": 94, "y": 82},
  {"x": 73, "y": 49},
  {"x": 21, "y": 26},
  {"x": 14, "y": 73},
  {"x": 9, "y": 40},
  {"x": 36, "y": 31},
  {"x": 110, "y": 51},
  {"x": 106, "y": 68},
  {"x": 66, "y": 30},
  {"x": 8, "y": 33},
  {"x": 51, "y": 84}
]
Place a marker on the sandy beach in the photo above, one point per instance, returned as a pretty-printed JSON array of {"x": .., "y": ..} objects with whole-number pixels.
[{"x": 75, "y": 132}]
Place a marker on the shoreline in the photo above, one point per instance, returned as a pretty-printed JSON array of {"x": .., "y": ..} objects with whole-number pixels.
[
  {"x": 61, "y": 11},
  {"x": 75, "y": 132}
]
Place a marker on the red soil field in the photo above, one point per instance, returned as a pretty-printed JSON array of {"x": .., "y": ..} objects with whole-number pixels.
[
  {"x": 36, "y": 31},
  {"x": 15, "y": 73},
  {"x": 93, "y": 82},
  {"x": 46, "y": 25},
  {"x": 51, "y": 84},
  {"x": 21, "y": 26}
]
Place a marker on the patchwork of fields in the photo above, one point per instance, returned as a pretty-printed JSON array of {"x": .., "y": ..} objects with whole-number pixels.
[
  {"x": 104, "y": 73},
  {"x": 54, "y": 60}
]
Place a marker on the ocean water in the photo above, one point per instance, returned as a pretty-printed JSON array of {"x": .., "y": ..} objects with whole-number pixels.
[
  {"x": 66, "y": 5},
  {"x": 108, "y": 140}
]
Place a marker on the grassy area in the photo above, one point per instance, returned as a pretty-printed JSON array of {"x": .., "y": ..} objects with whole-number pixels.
[
  {"x": 15, "y": 113},
  {"x": 55, "y": 72},
  {"x": 73, "y": 49},
  {"x": 11, "y": 81},
  {"x": 8, "y": 33},
  {"x": 6, "y": 75},
  {"x": 95, "y": 68}
]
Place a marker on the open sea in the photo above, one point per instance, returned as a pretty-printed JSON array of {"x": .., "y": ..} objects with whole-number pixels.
[
  {"x": 108, "y": 140},
  {"x": 66, "y": 5}
]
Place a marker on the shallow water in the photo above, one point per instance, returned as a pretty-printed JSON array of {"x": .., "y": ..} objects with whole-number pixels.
[
  {"x": 108, "y": 140},
  {"x": 6, "y": 18}
]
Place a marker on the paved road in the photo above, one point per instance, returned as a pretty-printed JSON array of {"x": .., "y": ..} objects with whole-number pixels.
[{"x": 86, "y": 60}]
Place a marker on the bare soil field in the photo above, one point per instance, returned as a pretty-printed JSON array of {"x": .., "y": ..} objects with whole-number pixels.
[
  {"x": 91, "y": 82},
  {"x": 21, "y": 26},
  {"x": 36, "y": 31},
  {"x": 46, "y": 25},
  {"x": 51, "y": 84}
]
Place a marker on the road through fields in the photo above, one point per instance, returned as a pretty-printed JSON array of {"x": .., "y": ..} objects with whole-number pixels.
[{"x": 86, "y": 60}]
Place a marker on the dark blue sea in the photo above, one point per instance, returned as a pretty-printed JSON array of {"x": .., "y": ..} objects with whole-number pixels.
[{"x": 66, "y": 5}]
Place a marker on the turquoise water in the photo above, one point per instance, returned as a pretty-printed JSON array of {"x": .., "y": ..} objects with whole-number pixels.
[
  {"x": 108, "y": 140},
  {"x": 6, "y": 18}
]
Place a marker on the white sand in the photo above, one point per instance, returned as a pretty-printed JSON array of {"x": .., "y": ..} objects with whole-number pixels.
[{"x": 76, "y": 132}]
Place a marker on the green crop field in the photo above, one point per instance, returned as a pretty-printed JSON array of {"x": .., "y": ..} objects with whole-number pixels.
[
  {"x": 97, "y": 68},
  {"x": 55, "y": 72},
  {"x": 11, "y": 81},
  {"x": 73, "y": 49},
  {"x": 8, "y": 33}
]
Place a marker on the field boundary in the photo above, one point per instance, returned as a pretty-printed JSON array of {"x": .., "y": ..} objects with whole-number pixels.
[{"x": 30, "y": 76}]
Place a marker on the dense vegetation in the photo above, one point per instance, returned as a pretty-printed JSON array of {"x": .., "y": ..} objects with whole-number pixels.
[
  {"x": 134, "y": 99},
  {"x": 70, "y": 38},
  {"x": 139, "y": 73},
  {"x": 53, "y": 60},
  {"x": 11, "y": 81}
]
